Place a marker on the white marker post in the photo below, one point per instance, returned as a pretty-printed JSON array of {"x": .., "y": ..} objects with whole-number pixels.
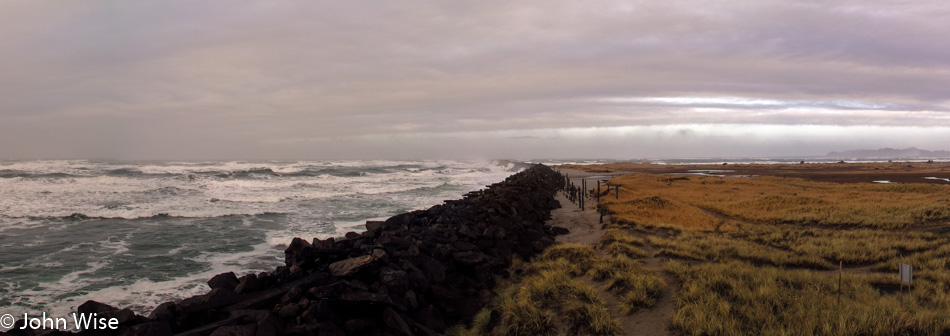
[{"x": 906, "y": 273}]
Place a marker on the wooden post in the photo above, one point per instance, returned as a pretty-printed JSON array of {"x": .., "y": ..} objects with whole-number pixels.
[
  {"x": 840, "y": 268},
  {"x": 900, "y": 271},
  {"x": 598, "y": 194},
  {"x": 617, "y": 190},
  {"x": 583, "y": 192}
]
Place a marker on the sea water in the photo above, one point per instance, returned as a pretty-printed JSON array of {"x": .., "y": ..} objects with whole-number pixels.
[{"x": 136, "y": 234}]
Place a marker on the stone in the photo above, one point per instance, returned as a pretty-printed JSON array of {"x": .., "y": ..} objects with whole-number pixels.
[
  {"x": 431, "y": 318},
  {"x": 412, "y": 299},
  {"x": 165, "y": 312},
  {"x": 446, "y": 295},
  {"x": 267, "y": 327},
  {"x": 380, "y": 255},
  {"x": 395, "y": 242},
  {"x": 433, "y": 270},
  {"x": 238, "y": 330},
  {"x": 558, "y": 231},
  {"x": 227, "y": 281},
  {"x": 148, "y": 329},
  {"x": 319, "y": 311},
  {"x": 323, "y": 245},
  {"x": 293, "y": 295},
  {"x": 299, "y": 252},
  {"x": 288, "y": 311},
  {"x": 395, "y": 323},
  {"x": 470, "y": 257},
  {"x": 463, "y": 246},
  {"x": 250, "y": 315},
  {"x": 329, "y": 329},
  {"x": 94, "y": 307},
  {"x": 494, "y": 232},
  {"x": 367, "y": 299},
  {"x": 345, "y": 268},
  {"x": 374, "y": 226},
  {"x": 359, "y": 325},
  {"x": 326, "y": 291},
  {"x": 398, "y": 221},
  {"x": 123, "y": 316},
  {"x": 394, "y": 279},
  {"x": 248, "y": 284},
  {"x": 412, "y": 251},
  {"x": 218, "y": 293}
]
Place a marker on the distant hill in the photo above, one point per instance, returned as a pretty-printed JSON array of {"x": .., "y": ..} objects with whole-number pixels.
[{"x": 891, "y": 153}]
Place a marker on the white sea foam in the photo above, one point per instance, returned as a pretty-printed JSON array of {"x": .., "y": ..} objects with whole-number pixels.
[
  {"x": 309, "y": 199},
  {"x": 209, "y": 195}
]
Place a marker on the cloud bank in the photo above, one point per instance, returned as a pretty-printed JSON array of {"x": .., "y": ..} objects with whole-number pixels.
[{"x": 312, "y": 80}]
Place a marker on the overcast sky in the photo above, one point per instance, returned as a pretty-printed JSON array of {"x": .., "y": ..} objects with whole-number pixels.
[{"x": 176, "y": 79}]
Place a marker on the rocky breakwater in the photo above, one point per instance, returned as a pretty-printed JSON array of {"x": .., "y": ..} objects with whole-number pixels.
[{"x": 414, "y": 274}]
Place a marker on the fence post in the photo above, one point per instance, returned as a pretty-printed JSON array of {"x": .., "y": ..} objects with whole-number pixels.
[{"x": 840, "y": 267}]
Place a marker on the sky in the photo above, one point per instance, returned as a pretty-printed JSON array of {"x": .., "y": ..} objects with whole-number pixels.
[{"x": 204, "y": 80}]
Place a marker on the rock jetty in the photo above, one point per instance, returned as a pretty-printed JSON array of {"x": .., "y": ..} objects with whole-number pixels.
[{"x": 416, "y": 273}]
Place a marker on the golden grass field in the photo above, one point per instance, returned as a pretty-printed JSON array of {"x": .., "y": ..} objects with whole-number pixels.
[
  {"x": 747, "y": 256},
  {"x": 853, "y": 172},
  {"x": 559, "y": 293},
  {"x": 759, "y": 255}
]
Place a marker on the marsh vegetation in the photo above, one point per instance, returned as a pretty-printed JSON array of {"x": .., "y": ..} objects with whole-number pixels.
[
  {"x": 761, "y": 255},
  {"x": 766, "y": 255}
]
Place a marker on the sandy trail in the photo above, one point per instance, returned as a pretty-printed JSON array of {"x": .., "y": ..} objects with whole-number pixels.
[
  {"x": 654, "y": 321},
  {"x": 584, "y": 225},
  {"x": 586, "y": 228}
]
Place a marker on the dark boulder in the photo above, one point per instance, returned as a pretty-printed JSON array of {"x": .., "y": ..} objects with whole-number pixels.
[
  {"x": 166, "y": 312},
  {"x": 249, "y": 284},
  {"x": 148, "y": 329},
  {"x": 348, "y": 267},
  {"x": 359, "y": 326},
  {"x": 558, "y": 231},
  {"x": 227, "y": 281},
  {"x": 94, "y": 307},
  {"x": 236, "y": 330},
  {"x": 395, "y": 323},
  {"x": 300, "y": 252}
]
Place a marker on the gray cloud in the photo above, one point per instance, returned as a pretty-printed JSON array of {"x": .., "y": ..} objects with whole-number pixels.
[{"x": 242, "y": 79}]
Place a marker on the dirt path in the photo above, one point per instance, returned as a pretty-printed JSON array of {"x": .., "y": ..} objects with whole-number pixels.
[
  {"x": 585, "y": 228},
  {"x": 654, "y": 321},
  {"x": 584, "y": 225}
]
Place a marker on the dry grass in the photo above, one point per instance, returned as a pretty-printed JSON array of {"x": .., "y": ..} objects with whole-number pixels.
[
  {"x": 721, "y": 248},
  {"x": 757, "y": 255},
  {"x": 555, "y": 295},
  {"x": 708, "y": 203},
  {"x": 769, "y": 280},
  {"x": 853, "y": 247},
  {"x": 550, "y": 298},
  {"x": 852, "y": 168},
  {"x": 749, "y": 256},
  {"x": 737, "y": 298}
]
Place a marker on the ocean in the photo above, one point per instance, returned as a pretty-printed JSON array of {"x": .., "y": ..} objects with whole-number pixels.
[{"x": 136, "y": 234}]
